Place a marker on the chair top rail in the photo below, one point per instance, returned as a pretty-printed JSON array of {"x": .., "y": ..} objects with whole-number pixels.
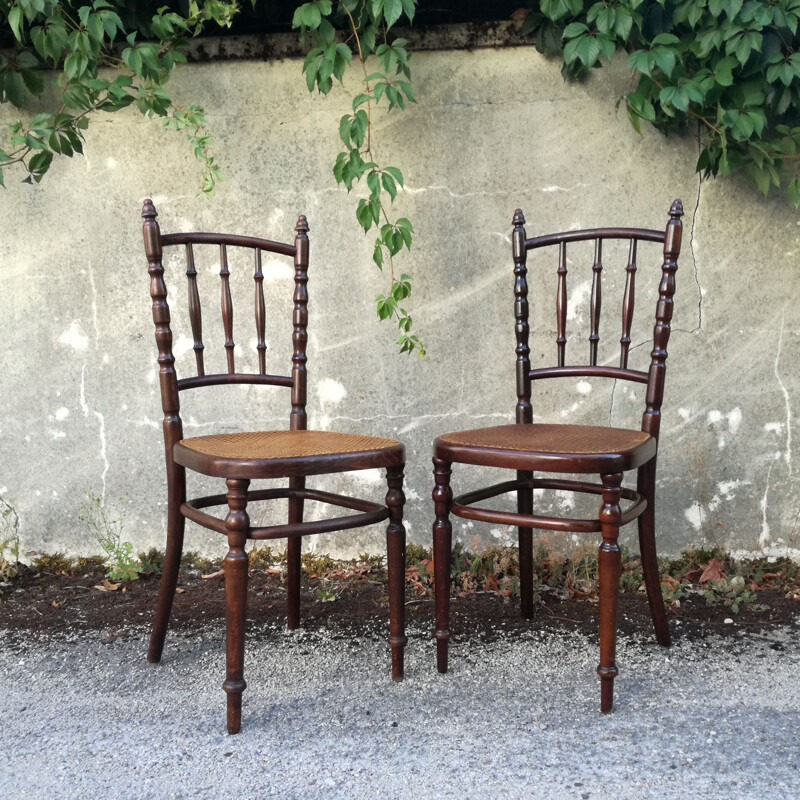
[
  {"x": 643, "y": 234},
  {"x": 230, "y": 239}
]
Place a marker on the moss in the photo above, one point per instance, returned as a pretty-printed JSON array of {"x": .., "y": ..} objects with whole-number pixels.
[{"x": 53, "y": 562}]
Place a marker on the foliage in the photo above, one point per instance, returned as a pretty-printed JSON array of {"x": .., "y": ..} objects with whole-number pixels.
[
  {"x": 731, "y": 67},
  {"x": 368, "y": 24},
  {"x": 9, "y": 541},
  {"x": 107, "y": 532},
  {"x": 77, "y": 39}
]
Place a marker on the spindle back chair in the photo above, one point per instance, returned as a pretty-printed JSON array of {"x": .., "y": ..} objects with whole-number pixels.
[
  {"x": 605, "y": 451},
  {"x": 241, "y": 457}
]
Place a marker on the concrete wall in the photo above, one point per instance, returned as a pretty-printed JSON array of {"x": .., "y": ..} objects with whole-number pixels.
[{"x": 494, "y": 129}]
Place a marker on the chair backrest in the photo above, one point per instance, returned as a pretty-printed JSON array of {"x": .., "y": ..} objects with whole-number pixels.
[
  {"x": 654, "y": 377},
  {"x": 171, "y": 385}
]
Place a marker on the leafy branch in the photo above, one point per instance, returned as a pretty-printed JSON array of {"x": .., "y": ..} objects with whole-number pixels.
[
  {"x": 367, "y": 24},
  {"x": 730, "y": 66},
  {"x": 78, "y": 41}
]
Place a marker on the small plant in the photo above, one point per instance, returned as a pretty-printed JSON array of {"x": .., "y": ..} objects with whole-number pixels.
[
  {"x": 314, "y": 564},
  {"x": 263, "y": 557},
  {"x": 9, "y": 541},
  {"x": 151, "y": 560},
  {"x": 733, "y": 592},
  {"x": 326, "y": 591},
  {"x": 191, "y": 559},
  {"x": 107, "y": 531},
  {"x": 414, "y": 554},
  {"x": 88, "y": 565}
]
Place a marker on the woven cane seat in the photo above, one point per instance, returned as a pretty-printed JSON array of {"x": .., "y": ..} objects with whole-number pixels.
[
  {"x": 285, "y": 453},
  {"x": 555, "y": 448}
]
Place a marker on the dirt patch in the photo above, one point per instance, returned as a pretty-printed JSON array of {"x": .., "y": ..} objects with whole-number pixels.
[{"x": 58, "y": 603}]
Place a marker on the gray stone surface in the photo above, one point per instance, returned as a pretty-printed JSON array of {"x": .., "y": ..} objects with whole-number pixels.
[
  {"x": 494, "y": 129},
  {"x": 86, "y": 716}
]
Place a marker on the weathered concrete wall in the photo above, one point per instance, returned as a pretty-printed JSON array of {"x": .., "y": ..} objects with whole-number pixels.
[{"x": 493, "y": 130}]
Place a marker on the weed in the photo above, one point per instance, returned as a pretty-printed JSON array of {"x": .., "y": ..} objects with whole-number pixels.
[
  {"x": 262, "y": 557},
  {"x": 191, "y": 559},
  {"x": 414, "y": 554},
  {"x": 631, "y": 578},
  {"x": 107, "y": 531},
  {"x": 326, "y": 591},
  {"x": 88, "y": 565},
  {"x": 733, "y": 592},
  {"x": 54, "y": 563},
  {"x": 9, "y": 541},
  {"x": 314, "y": 564},
  {"x": 151, "y": 560}
]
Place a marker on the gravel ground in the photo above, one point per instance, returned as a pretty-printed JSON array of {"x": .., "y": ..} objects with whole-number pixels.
[{"x": 84, "y": 715}]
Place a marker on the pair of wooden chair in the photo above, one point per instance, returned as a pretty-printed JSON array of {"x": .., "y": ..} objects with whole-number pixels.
[{"x": 524, "y": 447}]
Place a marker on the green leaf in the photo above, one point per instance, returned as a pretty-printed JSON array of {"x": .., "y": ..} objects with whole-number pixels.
[
  {"x": 14, "y": 87},
  {"x": 389, "y": 185},
  {"x": 15, "y": 21},
  {"x": 575, "y": 29},
  {"x": 395, "y": 173},
  {"x": 641, "y": 106},
  {"x": 392, "y": 9},
  {"x": 792, "y": 192},
  {"x": 377, "y": 254},
  {"x": 344, "y": 129}
]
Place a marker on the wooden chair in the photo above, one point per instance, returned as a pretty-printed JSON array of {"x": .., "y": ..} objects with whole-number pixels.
[
  {"x": 608, "y": 452},
  {"x": 242, "y": 457}
]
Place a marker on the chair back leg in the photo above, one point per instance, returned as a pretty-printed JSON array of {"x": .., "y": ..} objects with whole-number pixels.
[
  {"x": 442, "y": 546},
  {"x": 396, "y": 565},
  {"x": 609, "y": 564},
  {"x": 237, "y": 524},
  {"x": 525, "y": 506},
  {"x": 294, "y": 550},
  {"x": 176, "y": 522}
]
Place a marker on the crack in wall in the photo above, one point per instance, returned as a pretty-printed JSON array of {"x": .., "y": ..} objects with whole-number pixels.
[
  {"x": 787, "y": 456},
  {"x": 101, "y": 420},
  {"x": 694, "y": 258}
]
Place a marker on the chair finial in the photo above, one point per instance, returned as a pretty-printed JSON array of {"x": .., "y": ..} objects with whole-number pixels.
[
  {"x": 149, "y": 210},
  {"x": 302, "y": 224},
  {"x": 676, "y": 209},
  {"x": 519, "y": 218}
]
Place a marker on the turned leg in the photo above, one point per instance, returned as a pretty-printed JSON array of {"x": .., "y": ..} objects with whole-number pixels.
[
  {"x": 396, "y": 557},
  {"x": 293, "y": 551},
  {"x": 237, "y": 524},
  {"x": 176, "y": 522},
  {"x": 525, "y": 506},
  {"x": 647, "y": 547},
  {"x": 609, "y": 562},
  {"x": 442, "y": 544}
]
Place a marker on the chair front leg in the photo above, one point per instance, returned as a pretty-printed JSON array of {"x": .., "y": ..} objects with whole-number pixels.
[
  {"x": 294, "y": 549},
  {"x": 396, "y": 558},
  {"x": 176, "y": 522},
  {"x": 525, "y": 506},
  {"x": 237, "y": 524},
  {"x": 609, "y": 564},
  {"x": 442, "y": 545},
  {"x": 646, "y": 485}
]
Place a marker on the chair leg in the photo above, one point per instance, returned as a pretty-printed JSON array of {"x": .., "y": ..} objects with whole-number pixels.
[
  {"x": 176, "y": 523},
  {"x": 237, "y": 524},
  {"x": 442, "y": 545},
  {"x": 293, "y": 561},
  {"x": 525, "y": 506},
  {"x": 609, "y": 562},
  {"x": 647, "y": 548},
  {"x": 396, "y": 558}
]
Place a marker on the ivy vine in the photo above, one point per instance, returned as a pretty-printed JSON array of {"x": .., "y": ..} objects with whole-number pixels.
[
  {"x": 367, "y": 25},
  {"x": 731, "y": 68}
]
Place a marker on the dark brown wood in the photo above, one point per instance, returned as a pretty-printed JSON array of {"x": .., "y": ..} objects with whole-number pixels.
[
  {"x": 227, "y": 306},
  {"x": 300, "y": 323},
  {"x": 261, "y": 316},
  {"x": 239, "y": 457},
  {"x": 561, "y": 303},
  {"x": 627, "y": 306},
  {"x": 596, "y": 301},
  {"x": 195, "y": 313},
  {"x": 529, "y": 447},
  {"x": 396, "y": 548},
  {"x": 294, "y": 548},
  {"x": 608, "y": 568},
  {"x": 521, "y": 329},
  {"x": 442, "y": 547},
  {"x": 236, "y": 523},
  {"x": 525, "y": 540}
]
